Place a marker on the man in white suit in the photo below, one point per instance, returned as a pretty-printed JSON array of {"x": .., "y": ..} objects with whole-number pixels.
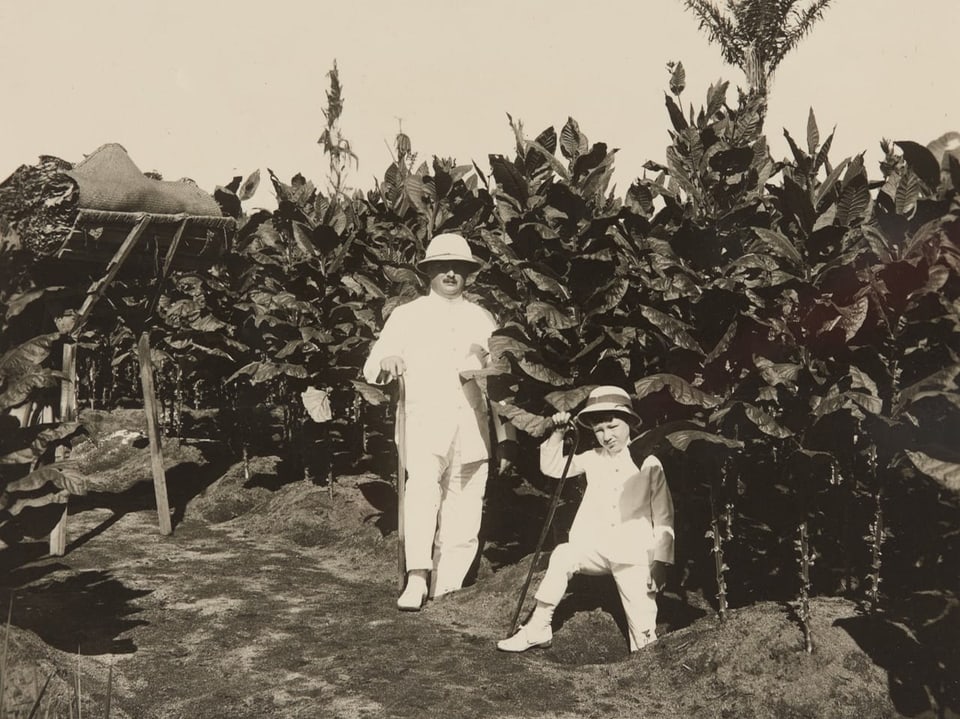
[{"x": 429, "y": 342}]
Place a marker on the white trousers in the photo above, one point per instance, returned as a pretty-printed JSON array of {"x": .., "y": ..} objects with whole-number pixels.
[
  {"x": 442, "y": 509},
  {"x": 638, "y": 599}
]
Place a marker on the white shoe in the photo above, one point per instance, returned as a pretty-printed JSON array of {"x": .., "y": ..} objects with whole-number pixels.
[
  {"x": 526, "y": 639},
  {"x": 412, "y": 598}
]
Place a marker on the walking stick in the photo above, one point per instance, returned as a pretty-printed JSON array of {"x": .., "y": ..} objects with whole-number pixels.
[
  {"x": 546, "y": 527},
  {"x": 401, "y": 477}
]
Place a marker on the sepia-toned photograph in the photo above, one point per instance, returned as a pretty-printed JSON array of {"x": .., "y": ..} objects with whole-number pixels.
[{"x": 496, "y": 360}]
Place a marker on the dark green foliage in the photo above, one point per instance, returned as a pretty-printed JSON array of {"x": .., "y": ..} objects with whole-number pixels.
[{"x": 782, "y": 323}]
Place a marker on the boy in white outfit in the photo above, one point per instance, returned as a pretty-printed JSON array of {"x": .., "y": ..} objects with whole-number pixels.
[{"x": 623, "y": 527}]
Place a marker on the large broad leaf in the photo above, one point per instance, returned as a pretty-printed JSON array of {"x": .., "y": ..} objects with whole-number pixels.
[
  {"x": 762, "y": 420},
  {"x": 908, "y": 192},
  {"x": 723, "y": 344},
  {"x": 293, "y": 370},
  {"x": 401, "y": 275},
  {"x": 609, "y": 296},
  {"x": 572, "y": 142},
  {"x": 541, "y": 372},
  {"x": 678, "y": 78},
  {"x": 683, "y": 438},
  {"x": 554, "y": 318},
  {"x": 64, "y": 477},
  {"x": 676, "y": 114},
  {"x": 941, "y": 381},
  {"x": 946, "y": 473},
  {"x": 510, "y": 179},
  {"x": 765, "y": 422},
  {"x": 777, "y": 373},
  {"x": 14, "y": 504},
  {"x": 546, "y": 283},
  {"x": 861, "y": 380},
  {"x": 565, "y": 400},
  {"x": 954, "y": 165},
  {"x": 673, "y": 328},
  {"x": 854, "y": 201},
  {"x": 921, "y": 161},
  {"x": 257, "y": 372},
  {"x": 16, "y": 303},
  {"x": 421, "y": 193},
  {"x": 813, "y": 134},
  {"x": 681, "y": 390},
  {"x": 828, "y": 185},
  {"x": 850, "y": 401},
  {"x": 850, "y": 318},
  {"x": 25, "y": 357},
  {"x": 532, "y": 424},
  {"x": 716, "y": 98},
  {"x": 779, "y": 244},
  {"x": 249, "y": 187},
  {"x": 499, "y": 345},
  {"x": 17, "y": 389},
  {"x": 373, "y": 395}
]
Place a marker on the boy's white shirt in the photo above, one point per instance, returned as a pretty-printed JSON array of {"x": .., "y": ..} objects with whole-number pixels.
[
  {"x": 438, "y": 338},
  {"x": 626, "y": 512}
]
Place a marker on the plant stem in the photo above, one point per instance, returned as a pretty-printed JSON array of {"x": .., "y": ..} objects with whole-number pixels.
[
  {"x": 3, "y": 659},
  {"x": 876, "y": 542},
  {"x": 806, "y": 561},
  {"x": 717, "y": 535}
]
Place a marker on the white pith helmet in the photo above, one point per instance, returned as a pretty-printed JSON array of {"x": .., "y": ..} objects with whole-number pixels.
[{"x": 449, "y": 247}]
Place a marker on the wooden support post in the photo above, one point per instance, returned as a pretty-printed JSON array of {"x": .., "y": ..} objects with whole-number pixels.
[
  {"x": 68, "y": 413},
  {"x": 153, "y": 433},
  {"x": 167, "y": 264},
  {"x": 100, "y": 286}
]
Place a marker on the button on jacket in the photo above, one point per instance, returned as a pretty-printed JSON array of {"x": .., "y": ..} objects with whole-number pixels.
[
  {"x": 626, "y": 512},
  {"x": 438, "y": 338}
]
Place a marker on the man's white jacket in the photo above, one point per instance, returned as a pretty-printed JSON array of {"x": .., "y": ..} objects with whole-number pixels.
[{"x": 438, "y": 338}]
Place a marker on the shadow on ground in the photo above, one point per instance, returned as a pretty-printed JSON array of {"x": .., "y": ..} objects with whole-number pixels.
[
  {"x": 86, "y": 612},
  {"x": 917, "y": 641}
]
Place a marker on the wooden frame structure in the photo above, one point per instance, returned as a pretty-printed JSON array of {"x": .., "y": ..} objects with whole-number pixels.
[{"x": 186, "y": 242}]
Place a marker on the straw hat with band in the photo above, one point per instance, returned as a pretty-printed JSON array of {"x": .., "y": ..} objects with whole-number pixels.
[
  {"x": 608, "y": 399},
  {"x": 449, "y": 247}
]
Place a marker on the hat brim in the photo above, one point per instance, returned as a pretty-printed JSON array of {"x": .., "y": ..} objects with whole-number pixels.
[
  {"x": 619, "y": 410},
  {"x": 450, "y": 258}
]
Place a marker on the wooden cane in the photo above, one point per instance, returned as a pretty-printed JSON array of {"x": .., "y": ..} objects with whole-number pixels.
[
  {"x": 554, "y": 502},
  {"x": 401, "y": 478}
]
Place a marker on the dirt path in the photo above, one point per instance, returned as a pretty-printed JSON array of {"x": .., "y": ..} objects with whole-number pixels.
[{"x": 213, "y": 622}]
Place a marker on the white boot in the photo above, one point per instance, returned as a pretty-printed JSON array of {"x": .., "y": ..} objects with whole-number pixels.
[
  {"x": 526, "y": 638},
  {"x": 535, "y": 633},
  {"x": 415, "y": 593}
]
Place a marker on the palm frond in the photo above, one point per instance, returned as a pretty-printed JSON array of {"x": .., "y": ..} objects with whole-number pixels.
[{"x": 720, "y": 29}]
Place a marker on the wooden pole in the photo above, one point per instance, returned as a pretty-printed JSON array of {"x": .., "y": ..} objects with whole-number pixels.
[
  {"x": 100, "y": 286},
  {"x": 153, "y": 433},
  {"x": 68, "y": 413},
  {"x": 401, "y": 480}
]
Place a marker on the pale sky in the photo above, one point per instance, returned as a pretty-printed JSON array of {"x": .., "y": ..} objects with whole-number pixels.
[{"x": 209, "y": 90}]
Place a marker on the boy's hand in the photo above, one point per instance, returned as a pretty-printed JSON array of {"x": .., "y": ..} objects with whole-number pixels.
[
  {"x": 560, "y": 420},
  {"x": 658, "y": 575}
]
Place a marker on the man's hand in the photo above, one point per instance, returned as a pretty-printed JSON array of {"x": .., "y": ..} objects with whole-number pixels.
[
  {"x": 658, "y": 575},
  {"x": 393, "y": 366}
]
